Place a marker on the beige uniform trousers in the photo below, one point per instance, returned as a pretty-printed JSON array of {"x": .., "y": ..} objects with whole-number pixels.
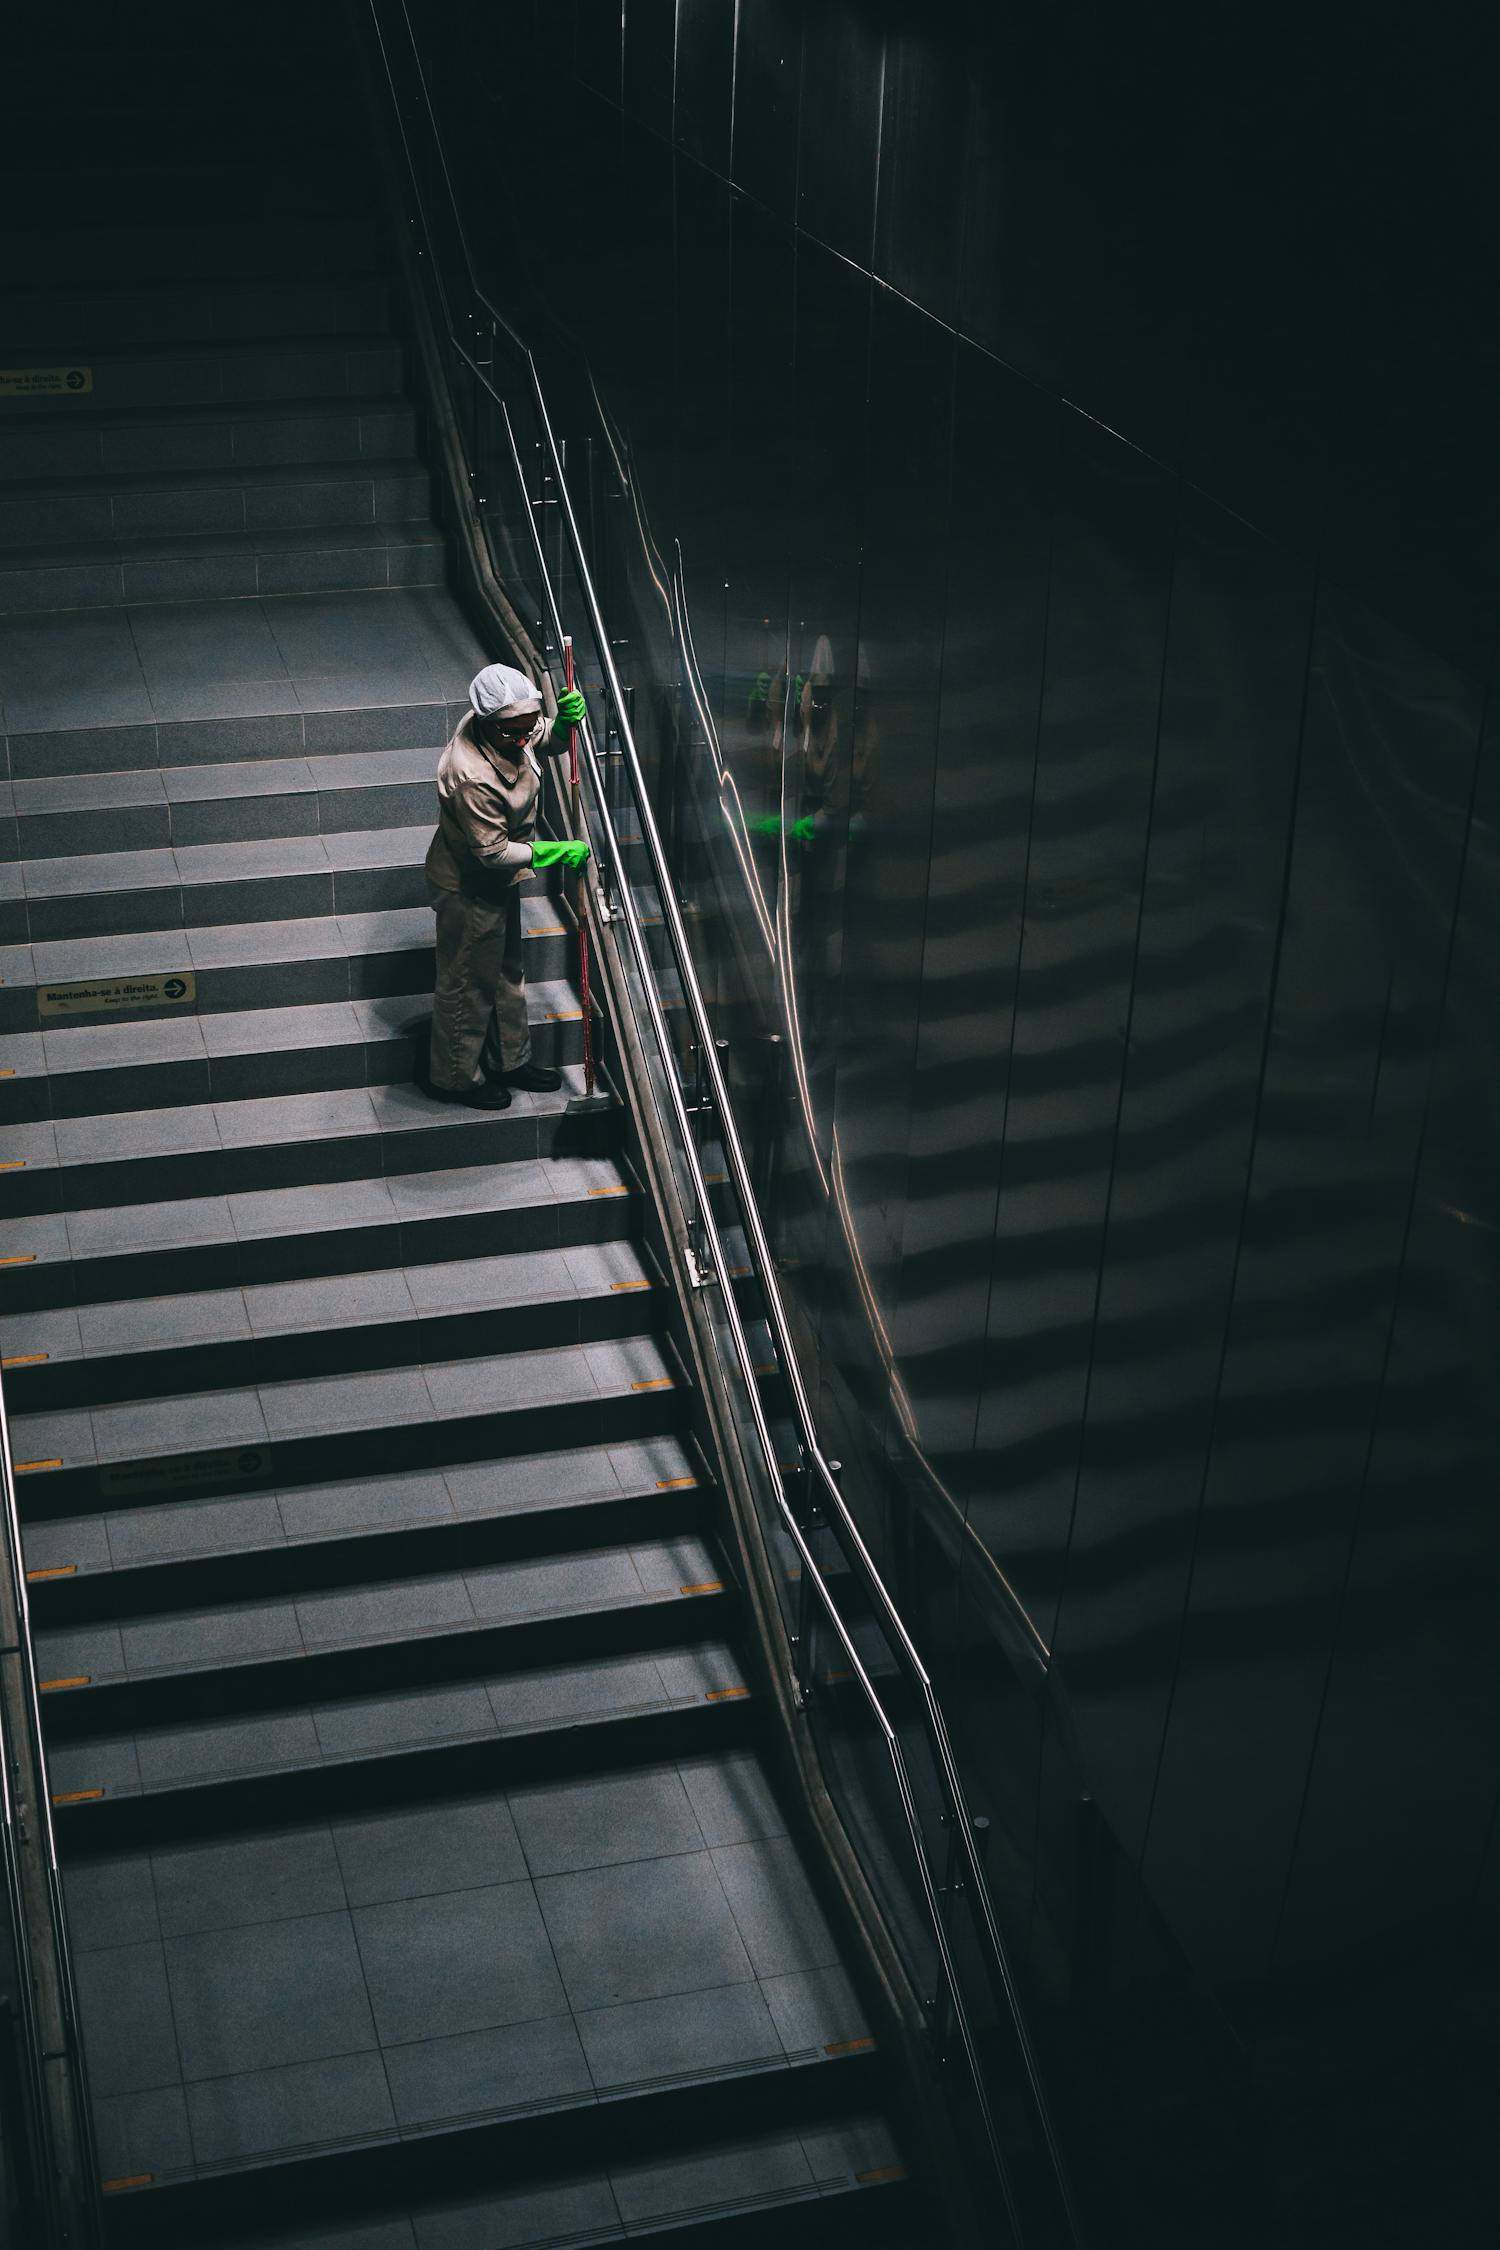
[{"x": 479, "y": 1007}]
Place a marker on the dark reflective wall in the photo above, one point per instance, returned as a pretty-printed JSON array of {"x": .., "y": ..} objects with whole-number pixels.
[{"x": 1118, "y": 1041}]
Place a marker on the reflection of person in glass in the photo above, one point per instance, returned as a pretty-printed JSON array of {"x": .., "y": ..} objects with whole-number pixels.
[
  {"x": 826, "y": 778},
  {"x": 833, "y": 758}
]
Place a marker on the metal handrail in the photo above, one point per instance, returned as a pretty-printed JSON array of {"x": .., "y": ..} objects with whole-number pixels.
[
  {"x": 960, "y": 1824},
  {"x": 53, "y": 2185},
  {"x": 625, "y": 909}
]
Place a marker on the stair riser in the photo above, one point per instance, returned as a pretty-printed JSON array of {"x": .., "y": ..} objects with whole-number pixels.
[
  {"x": 201, "y": 906},
  {"x": 510, "y": 1136},
  {"x": 233, "y": 1265},
  {"x": 226, "y": 820},
  {"x": 190, "y": 249},
  {"x": 102, "y": 318},
  {"x": 252, "y": 1077},
  {"x": 300, "y": 499},
  {"x": 203, "y": 443},
  {"x": 277, "y": 984},
  {"x": 344, "y": 1788},
  {"x": 238, "y": 1690},
  {"x": 331, "y": 569},
  {"x": 313, "y": 1566},
  {"x": 283, "y": 1359}
]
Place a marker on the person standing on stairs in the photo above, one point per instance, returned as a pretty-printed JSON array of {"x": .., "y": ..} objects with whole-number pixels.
[{"x": 489, "y": 780}]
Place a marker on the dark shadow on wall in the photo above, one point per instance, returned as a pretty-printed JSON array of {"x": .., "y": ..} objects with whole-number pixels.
[{"x": 1090, "y": 840}]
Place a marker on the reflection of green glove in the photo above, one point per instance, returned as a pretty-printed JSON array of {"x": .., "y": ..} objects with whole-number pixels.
[
  {"x": 571, "y": 708},
  {"x": 801, "y": 831},
  {"x": 559, "y": 855},
  {"x": 759, "y": 695}
]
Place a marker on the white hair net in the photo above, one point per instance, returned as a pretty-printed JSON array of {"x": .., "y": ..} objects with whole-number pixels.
[{"x": 499, "y": 692}]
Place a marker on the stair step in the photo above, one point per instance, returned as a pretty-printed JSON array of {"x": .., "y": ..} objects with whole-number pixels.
[
  {"x": 236, "y": 372},
  {"x": 117, "y": 30},
  {"x": 55, "y": 753},
  {"x": 307, "y": 1428},
  {"x": 251, "y": 964},
  {"x": 272, "y": 879},
  {"x": 709, "y": 2140},
  {"x": 90, "y": 1355},
  {"x": 126, "y": 443},
  {"x": 229, "y": 565},
  {"x": 152, "y": 514},
  {"x": 118, "y": 115},
  {"x": 245, "y": 1054},
  {"x": 373, "y": 1750},
  {"x": 157, "y": 808},
  {"x": 770, "y": 2150},
  {"x": 295, "y": 1233},
  {"x": 100, "y": 672},
  {"x": 123, "y": 1561},
  {"x": 478, "y": 1618},
  {"x": 169, "y": 1156},
  {"x": 190, "y": 247},
  {"x": 309, "y": 181},
  {"x": 835, "y": 2185}
]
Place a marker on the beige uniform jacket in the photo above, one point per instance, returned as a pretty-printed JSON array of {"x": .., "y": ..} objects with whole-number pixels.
[{"x": 487, "y": 801}]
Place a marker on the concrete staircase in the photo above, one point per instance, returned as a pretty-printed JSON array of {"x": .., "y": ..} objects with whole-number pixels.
[{"x": 426, "y": 1886}]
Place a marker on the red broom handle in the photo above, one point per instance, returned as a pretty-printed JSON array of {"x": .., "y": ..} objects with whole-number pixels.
[{"x": 583, "y": 904}]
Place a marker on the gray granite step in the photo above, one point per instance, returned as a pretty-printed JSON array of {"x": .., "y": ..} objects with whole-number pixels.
[
  {"x": 383, "y": 1747},
  {"x": 313, "y": 1427},
  {"x": 267, "y": 964},
  {"x": 189, "y": 246},
  {"x": 187, "y": 312},
  {"x": 229, "y": 1240},
  {"x": 151, "y": 1347},
  {"x": 297, "y": 1643},
  {"x": 165, "y": 1552},
  {"x": 242, "y": 370},
  {"x": 273, "y": 879},
  {"x": 135, "y": 442},
  {"x": 335, "y": 557},
  {"x": 244, "y": 1054},
  {"x": 142, "y": 515},
  {"x": 296, "y": 1140},
  {"x": 160, "y": 808}
]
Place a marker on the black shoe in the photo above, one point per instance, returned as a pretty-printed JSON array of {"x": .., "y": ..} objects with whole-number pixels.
[
  {"x": 490, "y": 1095},
  {"x": 531, "y": 1078}
]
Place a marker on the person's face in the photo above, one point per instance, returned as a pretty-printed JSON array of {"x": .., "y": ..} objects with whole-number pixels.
[{"x": 508, "y": 735}]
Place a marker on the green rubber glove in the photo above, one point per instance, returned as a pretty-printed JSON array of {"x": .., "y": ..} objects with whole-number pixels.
[
  {"x": 559, "y": 855},
  {"x": 760, "y": 695},
  {"x": 802, "y": 831},
  {"x": 571, "y": 708}
]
